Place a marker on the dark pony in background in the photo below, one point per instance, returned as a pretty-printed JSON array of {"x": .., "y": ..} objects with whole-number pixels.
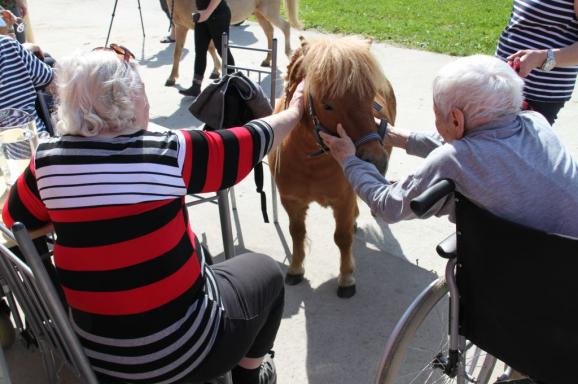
[{"x": 343, "y": 84}]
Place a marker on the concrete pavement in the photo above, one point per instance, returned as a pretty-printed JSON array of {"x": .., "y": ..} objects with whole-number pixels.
[{"x": 322, "y": 339}]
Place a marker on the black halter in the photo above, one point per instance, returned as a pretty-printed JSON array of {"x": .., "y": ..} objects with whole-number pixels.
[{"x": 318, "y": 127}]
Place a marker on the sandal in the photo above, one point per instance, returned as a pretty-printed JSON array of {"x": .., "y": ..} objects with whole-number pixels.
[{"x": 167, "y": 39}]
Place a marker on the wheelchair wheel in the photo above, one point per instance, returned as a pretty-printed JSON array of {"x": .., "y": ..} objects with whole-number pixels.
[{"x": 417, "y": 350}]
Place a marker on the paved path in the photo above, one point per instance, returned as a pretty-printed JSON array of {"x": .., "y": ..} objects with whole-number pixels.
[{"x": 322, "y": 339}]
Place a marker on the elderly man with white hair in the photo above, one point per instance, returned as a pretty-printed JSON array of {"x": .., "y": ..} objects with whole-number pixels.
[{"x": 509, "y": 162}]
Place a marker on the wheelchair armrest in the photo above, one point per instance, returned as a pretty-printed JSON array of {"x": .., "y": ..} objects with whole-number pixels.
[
  {"x": 421, "y": 204},
  {"x": 448, "y": 247}
]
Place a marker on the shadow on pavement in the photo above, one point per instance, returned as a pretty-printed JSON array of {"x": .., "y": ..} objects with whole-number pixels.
[
  {"x": 162, "y": 58},
  {"x": 346, "y": 337},
  {"x": 180, "y": 117},
  {"x": 239, "y": 35}
]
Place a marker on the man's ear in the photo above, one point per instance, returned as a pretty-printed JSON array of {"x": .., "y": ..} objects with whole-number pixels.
[{"x": 458, "y": 121}]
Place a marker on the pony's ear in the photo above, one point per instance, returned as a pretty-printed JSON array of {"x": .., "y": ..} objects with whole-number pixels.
[
  {"x": 295, "y": 72},
  {"x": 386, "y": 105},
  {"x": 304, "y": 44}
]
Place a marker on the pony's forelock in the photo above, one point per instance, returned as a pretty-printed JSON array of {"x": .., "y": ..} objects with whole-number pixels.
[{"x": 339, "y": 67}]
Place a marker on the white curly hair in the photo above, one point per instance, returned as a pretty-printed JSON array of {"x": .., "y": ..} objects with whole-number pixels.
[
  {"x": 483, "y": 87},
  {"x": 96, "y": 94}
]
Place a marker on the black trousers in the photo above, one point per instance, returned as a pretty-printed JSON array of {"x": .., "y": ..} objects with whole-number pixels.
[
  {"x": 549, "y": 110},
  {"x": 252, "y": 289},
  {"x": 212, "y": 29}
]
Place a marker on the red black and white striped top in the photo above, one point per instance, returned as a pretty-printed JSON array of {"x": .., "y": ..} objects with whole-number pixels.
[
  {"x": 541, "y": 24},
  {"x": 145, "y": 306}
]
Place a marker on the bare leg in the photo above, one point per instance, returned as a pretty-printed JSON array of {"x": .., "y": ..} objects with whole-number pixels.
[{"x": 251, "y": 362}]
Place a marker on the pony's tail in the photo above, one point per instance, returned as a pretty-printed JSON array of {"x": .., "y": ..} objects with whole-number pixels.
[{"x": 292, "y": 8}]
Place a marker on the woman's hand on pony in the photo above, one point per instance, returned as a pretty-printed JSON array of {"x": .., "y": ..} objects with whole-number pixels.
[
  {"x": 341, "y": 147},
  {"x": 296, "y": 102}
]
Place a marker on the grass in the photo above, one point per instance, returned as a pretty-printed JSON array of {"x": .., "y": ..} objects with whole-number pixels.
[{"x": 455, "y": 27}]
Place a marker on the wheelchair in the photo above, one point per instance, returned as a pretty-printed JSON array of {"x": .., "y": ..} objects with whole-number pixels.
[{"x": 509, "y": 293}]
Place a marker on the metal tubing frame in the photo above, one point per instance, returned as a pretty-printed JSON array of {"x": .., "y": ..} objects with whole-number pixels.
[
  {"x": 272, "y": 99},
  {"x": 457, "y": 342},
  {"x": 223, "y": 195},
  {"x": 49, "y": 296}
]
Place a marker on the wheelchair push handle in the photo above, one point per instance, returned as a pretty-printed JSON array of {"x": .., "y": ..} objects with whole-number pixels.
[{"x": 423, "y": 203}]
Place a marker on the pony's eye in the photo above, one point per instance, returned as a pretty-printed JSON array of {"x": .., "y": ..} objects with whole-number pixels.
[{"x": 327, "y": 107}]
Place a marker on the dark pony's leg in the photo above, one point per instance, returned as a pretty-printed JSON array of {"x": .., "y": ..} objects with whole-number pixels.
[
  {"x": 345, "y": 213},
  {"x": 296, "y": 210}
]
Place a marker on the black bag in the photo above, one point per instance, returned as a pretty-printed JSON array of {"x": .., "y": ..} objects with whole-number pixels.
[{"x": 233, "y": 101}]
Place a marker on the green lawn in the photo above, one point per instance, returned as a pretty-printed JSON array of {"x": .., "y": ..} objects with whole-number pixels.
[{"x": 456, "y": 27}]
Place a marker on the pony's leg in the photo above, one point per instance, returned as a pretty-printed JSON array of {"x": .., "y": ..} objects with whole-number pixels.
[
  {"x": 268, "y": 29},
  {"x": 180, "y": 37},
  {"x": 296, "y": 210},
  {"x": 216, "y": 61},
  {"x": 283, "y": 25},
  {"x": 345, "y": 214}
]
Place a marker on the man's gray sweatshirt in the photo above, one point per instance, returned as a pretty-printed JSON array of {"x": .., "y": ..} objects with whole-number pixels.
[{"x": 515, "y": 167}]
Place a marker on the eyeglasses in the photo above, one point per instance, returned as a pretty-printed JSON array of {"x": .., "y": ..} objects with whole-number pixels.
[{"x": 121, "y": 51}]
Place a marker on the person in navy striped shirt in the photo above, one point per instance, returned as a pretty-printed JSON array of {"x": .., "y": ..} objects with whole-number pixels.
[
  {"x": 144, "y": 302},
  {"x": 21, "y": 74},
  {"x": 19, "y": 8},
  {"x": 536, "y": 33}
]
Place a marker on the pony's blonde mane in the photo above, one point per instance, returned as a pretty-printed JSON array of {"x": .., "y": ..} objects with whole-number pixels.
[{"x": 338, "y": 67}]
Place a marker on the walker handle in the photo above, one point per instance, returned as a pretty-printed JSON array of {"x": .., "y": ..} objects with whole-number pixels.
[{"x": 422, "y": 203}]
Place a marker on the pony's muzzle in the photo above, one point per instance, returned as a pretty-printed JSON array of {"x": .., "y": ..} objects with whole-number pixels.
[{"x": 381, "y": 162}]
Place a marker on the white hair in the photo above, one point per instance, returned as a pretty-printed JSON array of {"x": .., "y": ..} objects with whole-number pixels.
[
  {"x": 96, "y": 93},
  {"x": 483, "y": 87}
]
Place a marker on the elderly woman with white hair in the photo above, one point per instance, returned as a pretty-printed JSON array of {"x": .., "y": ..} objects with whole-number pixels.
[
  {"x": 509, "y": 162},
  {"x": 144, "y": 302}
]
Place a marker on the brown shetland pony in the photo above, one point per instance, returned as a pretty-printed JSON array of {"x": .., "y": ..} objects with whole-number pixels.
[
  {"x": 267, "y": 13},
  {"x": 343, "y": 81}
]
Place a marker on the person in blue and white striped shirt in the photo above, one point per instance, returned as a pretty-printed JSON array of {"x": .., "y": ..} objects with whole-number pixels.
[
  {"x": 543, "y": 36},
  {"x": 21, "y": 74}
]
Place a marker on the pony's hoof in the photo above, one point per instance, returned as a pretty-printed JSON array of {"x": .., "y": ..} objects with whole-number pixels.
[
  {"x": 346, "y": 292},
  {"x": 169, "y": 83},
  {"x": 214, "y": 76},
  {"x": 266, "y": 64},
  {"x": 293, "y": 279}
]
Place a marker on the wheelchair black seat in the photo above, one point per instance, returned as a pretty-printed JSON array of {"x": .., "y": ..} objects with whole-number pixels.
[{"x": 518, "y": 293}]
